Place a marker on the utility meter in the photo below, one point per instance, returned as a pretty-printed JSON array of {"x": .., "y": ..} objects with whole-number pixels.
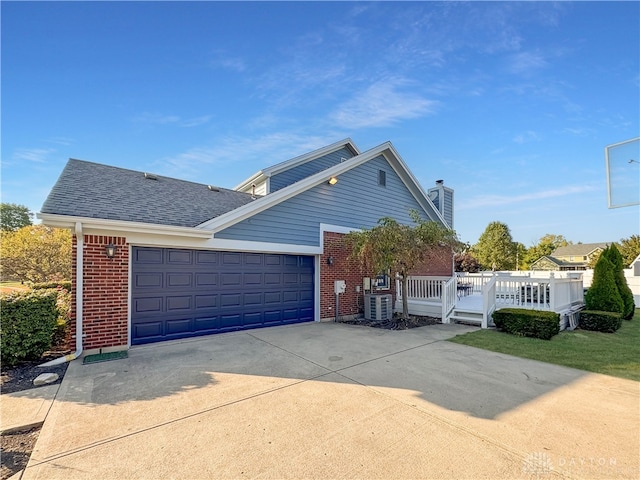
[{"x": 340, "y": 286}]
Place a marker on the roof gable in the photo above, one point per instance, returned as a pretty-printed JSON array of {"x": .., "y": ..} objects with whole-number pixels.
[
  {"x": 92, "y": 190},
  {"x": 386, "y": 149},
  {"x": 265, "y": 174}
]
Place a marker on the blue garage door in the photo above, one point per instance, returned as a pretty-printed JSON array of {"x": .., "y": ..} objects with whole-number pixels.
[{"x": 180, "y": 293}]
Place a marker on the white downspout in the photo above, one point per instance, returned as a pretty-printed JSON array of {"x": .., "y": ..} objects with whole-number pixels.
[{"x": 79, "y": 288}]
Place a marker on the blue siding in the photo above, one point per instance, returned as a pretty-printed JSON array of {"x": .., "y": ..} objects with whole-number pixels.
[
  {"x": 447, "y": 212},
  {"x": 305, "y": 170},
  {"x": 356, "y": 201}
]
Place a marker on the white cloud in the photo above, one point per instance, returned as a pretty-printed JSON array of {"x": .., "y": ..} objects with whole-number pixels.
[
  {"x": 161, "y": 119},
  {"x": 382, "y": 104},
  {"x": 525, "y": 63},
  {"x": 489, "y": 200},
  {"x": 38, "y": 155},
  {"x": 156, "y": 118},
  {"x": 528, "y": 136},
  {"x": 261, "y": 151}
]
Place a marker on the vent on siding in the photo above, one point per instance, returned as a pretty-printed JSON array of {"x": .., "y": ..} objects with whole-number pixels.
[
  {"x": 382, "y": 178},
  {"x": 342, "y": 159}
]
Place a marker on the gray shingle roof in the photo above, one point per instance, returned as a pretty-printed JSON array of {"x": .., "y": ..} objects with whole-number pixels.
[
  {"x": 87, "y": 189},
  {"x": 578, "y": 249}
]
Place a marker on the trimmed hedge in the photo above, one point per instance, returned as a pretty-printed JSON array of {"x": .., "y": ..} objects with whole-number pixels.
[
  {"x": 607, "y": 322},
  {"x": 29, "y": 321},
  {"x": 527, "y": 323},
  {"x": 64, "y": 285}
]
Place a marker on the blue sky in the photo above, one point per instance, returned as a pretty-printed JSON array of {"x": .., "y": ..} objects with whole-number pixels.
[{"x": 510, "y": 103}]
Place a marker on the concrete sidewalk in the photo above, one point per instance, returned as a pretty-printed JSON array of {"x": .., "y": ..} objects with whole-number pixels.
[
  {"x": 26, "y": 409},
  {"x": 324, "y": 400}
]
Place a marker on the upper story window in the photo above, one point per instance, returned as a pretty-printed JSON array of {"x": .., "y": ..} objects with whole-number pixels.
[{"x": 382, "y": 178}]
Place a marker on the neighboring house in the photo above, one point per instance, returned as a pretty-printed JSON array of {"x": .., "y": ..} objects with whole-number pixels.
[
  {"x": 569, "y": 257},
  {"x": 193, "y": 259}
]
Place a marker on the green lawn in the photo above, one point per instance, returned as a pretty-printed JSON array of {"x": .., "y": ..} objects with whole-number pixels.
[{"x": 616, "y": 354}]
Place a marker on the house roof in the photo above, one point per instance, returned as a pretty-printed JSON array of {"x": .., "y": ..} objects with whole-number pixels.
[
  {"x": 117, "y": 198},
  {"x": 262, "y": 175},
  {"x": 92, "y": 190},
  {"x": 578, "y": 249},
  {"x": 386, "y": 149}
]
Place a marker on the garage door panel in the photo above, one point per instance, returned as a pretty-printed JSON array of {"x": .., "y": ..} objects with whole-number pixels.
[
  {"x": 206, "y": 258},
  {"x": 149, "y": 256},
  {"x": 206, "y": 301},
  {"x": 252, "y": 279},
  {"x": 178, "y": 303},
  {"x": 148, "y": 330},
  {"x": 179, "y": 279},
  {"x": 179, "y": 257},
  {"x": 204, "y": 280},
  {"x": 253, "y": 319},
  {"x": 178, "y": 325},
  {"x": 147, "y": 304},
  {"x": 231, "y": 279},
  {"x": 206, "y": 324},
  {"x": 149, "y": 280},
  {"x": 184, "y": 293}
]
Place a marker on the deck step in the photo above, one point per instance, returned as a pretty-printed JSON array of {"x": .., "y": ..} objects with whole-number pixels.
[{"x": 466, "y": 319}]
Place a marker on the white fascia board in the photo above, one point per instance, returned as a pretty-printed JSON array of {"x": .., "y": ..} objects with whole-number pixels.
[
  {"x": 117, "y": 226},
  {"x": 413, "y": 185},
  {"x": 293, "y": 162},
  {"x": 261, "y": 204},
  {"x": 256, "y": 178}
]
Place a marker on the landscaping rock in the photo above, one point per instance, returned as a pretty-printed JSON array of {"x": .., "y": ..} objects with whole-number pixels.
[{"x": 45, "y": 378}]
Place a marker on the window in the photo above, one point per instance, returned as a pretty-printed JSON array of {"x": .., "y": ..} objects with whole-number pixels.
[{"x": 382, "y": 178}]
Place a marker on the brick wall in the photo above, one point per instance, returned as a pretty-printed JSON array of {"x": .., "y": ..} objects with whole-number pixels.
[
  {"x": 439, "y": 263},
  {"x": 105, "y": 281},
  {"x": 343, "y": 268}
]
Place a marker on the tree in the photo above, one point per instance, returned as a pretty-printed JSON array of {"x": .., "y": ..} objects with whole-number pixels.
[
  {"x": 36, "y": 253},
  {"x": 613, "y": 255},
  {"x": 546, "y": 245},
  {"x": 465, "y": 262},
  {"x": 14, "y": 216},
  {"x": 629, "y": 249},
  {"x": 400, "y": 248},
  {"x": 603, "y": 295},
  {"x": 495, "y": 249}
]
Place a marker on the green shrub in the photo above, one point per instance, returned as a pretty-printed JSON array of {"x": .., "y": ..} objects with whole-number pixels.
[
  {"x": 607, "y": 322},
  {"x": 29, "y": 320},
  {"x": 603, "y": 295},
  {"x": 64, "y": 285},
  {"x": 527, "y": 323},
  {"x": 613, "y": 255}
]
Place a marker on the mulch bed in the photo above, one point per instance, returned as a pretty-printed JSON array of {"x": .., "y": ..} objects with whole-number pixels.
[
  {"x": 17, "y": 446},
  {"x": 21, "y": 376},
  {"x": 396, "y": 323}
]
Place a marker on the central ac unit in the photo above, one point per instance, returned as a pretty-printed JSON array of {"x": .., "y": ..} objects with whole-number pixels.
[{"x": 378, "y": 307}]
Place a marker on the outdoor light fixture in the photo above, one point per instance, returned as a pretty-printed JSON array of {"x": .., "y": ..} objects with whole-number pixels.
[
  {"x": 333, "y": 180},
  {"x": 110, "y": 250},
  {"x": 330, "y": 261}
]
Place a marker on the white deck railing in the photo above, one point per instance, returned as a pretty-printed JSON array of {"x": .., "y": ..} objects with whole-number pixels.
[{"x": 437, "y": 295}]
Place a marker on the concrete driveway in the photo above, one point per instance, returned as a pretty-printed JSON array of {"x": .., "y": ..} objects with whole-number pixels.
[{"x": 325, "y": 400}]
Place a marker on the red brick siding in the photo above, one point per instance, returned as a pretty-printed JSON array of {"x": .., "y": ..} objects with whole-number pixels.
[
  {"x": 344, "y": 268},
  {"x": 440, "y": 263},
  {"x": 106, "y": 292}
]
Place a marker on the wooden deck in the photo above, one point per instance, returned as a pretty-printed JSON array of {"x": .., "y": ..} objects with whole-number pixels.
[{"x": 473, "y": 300}]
